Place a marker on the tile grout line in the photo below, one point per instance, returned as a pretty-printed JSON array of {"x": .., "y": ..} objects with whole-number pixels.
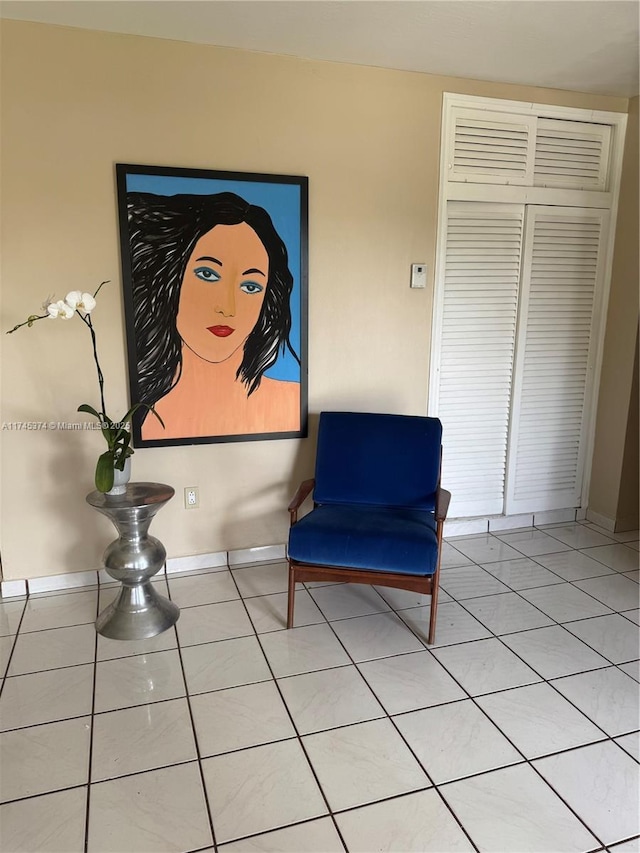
[
  {"x": 91, "y": 719},
  {"x": 194, "y": 732},
  {"x": 550, "y": 682},
  {"x": 45, "y": 794},
  {"x": 561, "y": 624},
  {"x": 383, "y": 715},
  {"x": 295, "y": 727},
  {"x": 526, "y": 761},
  {"x": 555, "y": 622},
  {"x": 284, "y": 677},
  {"x": 566, "y": 550},
  {"x": 544, "y": 680},
  {"x": 5, "y": 674},
  {"x": 607, "y": 738},
  {"x": 269, "y": 831},
  {"x": 427, "y": 649},
  {"x": 431, "y": 786},
  {"x": 396, "y": 729},
  {"x": 98, "y": 781},
  {"x": 461, "y": 603}
]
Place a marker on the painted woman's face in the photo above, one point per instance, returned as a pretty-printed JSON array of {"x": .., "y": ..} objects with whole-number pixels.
[{"x": 223, "y": 289}]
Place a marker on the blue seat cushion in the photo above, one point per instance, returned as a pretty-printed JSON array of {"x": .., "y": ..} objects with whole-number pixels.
[{"x": 378, "y": 539}]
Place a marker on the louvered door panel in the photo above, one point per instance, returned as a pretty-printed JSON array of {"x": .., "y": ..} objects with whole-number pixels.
[
  {"x": 491, "y": 147},
  {"x": 562, "y": 273},
  {"x": 481, "y": 271},
  {"x": 572, "y": 155}
]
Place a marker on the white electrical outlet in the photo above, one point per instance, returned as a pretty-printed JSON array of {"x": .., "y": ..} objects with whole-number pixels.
[{"x": 191, "y": 497}]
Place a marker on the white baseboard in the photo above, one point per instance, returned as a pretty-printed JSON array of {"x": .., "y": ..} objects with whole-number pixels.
[
  {"x": 74, "y": 580},
  {"x": 510, "y": 522},
  {"x": 214, "y": 560},
  {"x": 13, "y": 589},
  {"x": 465, "y": 526},
  {"x": 55, "y": 583},
  {"x": 554, "y": 516},
  {"x": 264, "y": 554},
  {"x": 601, "y": 520},
  {"x": 495, "y": 523}
]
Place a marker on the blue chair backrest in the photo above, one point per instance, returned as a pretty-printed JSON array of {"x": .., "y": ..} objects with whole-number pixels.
[{"x": 376, "y": 459}]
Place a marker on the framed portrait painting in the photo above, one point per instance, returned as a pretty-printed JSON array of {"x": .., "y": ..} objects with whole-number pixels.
[{"x": 214, "y": 270}]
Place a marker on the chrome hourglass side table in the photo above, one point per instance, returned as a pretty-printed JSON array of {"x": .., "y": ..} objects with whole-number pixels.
[{"x": 133, "y": 559}]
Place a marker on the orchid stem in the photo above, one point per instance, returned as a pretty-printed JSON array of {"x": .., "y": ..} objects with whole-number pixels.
[
  {"x": 100, "y": 286},
  {"x": 28, "y": 322},
  {"x": 87, "y": 321}
]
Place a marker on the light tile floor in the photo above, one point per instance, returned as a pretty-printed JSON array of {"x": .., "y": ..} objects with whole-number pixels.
[{"x": 517, "y": 731}]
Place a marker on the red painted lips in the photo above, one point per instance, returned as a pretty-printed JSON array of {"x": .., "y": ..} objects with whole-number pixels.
[{"x": 220, "y": 331}]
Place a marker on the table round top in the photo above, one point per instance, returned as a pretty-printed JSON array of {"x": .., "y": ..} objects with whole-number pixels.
[{"x": 136, "y": 495}]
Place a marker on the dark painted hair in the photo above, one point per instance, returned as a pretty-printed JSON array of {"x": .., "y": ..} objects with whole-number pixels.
[{"x": 163, "y": 231}]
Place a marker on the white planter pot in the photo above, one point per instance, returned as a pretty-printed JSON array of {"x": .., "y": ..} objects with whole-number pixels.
[{"x": 120, "y": 479}]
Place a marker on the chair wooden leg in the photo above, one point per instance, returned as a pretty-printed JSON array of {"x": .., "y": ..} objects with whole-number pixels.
[
  {"x": 435, "y": 588},
  {"x": 433, "y": 613},
  {"x": 292, "y": 596}
]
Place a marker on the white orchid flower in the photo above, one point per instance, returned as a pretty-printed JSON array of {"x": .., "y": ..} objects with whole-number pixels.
[
  {"x": 80, "y": 301},
  {"x": 60, "y": 310},
  {"x": 50, "y": 298}
]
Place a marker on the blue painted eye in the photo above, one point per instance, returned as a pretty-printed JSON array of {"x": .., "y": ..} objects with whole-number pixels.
[
  {"x": 251, "y": 287},
  {"x": 206, "y": 274}
]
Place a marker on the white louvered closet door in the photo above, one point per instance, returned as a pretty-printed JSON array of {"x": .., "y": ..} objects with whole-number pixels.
[
  {"x": 481, "y": 270},
  {"x": 559, "y": 299},
  {"x": 492, "y": 148},
  {"x": 571, "y": 154}
]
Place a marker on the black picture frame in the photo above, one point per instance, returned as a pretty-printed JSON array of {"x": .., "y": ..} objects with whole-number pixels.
[{"x": 164, "y": 214}]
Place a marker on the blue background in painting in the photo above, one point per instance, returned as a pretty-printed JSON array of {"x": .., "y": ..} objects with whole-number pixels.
[{"x": 282, "y": 203}]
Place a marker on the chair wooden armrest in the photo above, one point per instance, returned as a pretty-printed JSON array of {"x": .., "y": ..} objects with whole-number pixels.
[
  {"x": 442, "y": 503},
  {"x": 304, "y": 490}
]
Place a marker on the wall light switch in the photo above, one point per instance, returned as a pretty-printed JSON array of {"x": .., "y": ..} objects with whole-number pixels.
[{"x": 418, "y": 275}]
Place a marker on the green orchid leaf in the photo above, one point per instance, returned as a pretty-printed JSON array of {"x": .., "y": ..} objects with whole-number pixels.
[
  {"x": 107, "y": 422},
  {"x": 107, "y": 431},
  {"x": 128, "y": 417},
  {"x": 121, "y": 434},
  {"x": 85, "y": 407},
  {"x": 104, "y": 471},
  {"x": 122, "y": 450},
  {"x": 110, "y": 436},
  {"x": 122, "y": 456},
  {"x": 131, "y": 412},
  {"x": 151, "y": 409}
]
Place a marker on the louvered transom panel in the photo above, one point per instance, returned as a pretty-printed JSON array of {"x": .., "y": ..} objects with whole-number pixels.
[
  {"x": 488, "y": 147},
  {"x": 572, "y": 155},
  {"x": 562, "y": 263},
  {"x": 482, "y": 268}
]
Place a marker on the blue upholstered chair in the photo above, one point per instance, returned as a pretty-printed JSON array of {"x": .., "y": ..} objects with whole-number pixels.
[{"x": 378, "y": 508}]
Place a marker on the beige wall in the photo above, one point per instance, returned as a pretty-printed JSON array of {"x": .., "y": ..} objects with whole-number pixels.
[
  {"x": 76, "y": 102},
  {"x": 614, "y": 401},
  {"x": 628, "y": 503}
]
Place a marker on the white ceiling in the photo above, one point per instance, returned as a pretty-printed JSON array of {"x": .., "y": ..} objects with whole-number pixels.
[{"x": 581, "y": 45}]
